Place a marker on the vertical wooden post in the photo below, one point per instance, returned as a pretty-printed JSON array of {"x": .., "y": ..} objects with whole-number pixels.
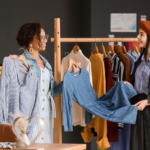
[{"x": 57, "y": 76}]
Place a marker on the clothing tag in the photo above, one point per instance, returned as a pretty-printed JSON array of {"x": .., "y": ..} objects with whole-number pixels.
[{"x": 76, "y": 75}]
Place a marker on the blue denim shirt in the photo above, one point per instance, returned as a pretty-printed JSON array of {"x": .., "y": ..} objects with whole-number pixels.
[
  {"x": 19, "y": 92},
  {"x": 113, "y": 106},
  {"x": 55, "y": 89},
  {"x": 142, "y": 76},
  {"x": 134, "y": 54}
]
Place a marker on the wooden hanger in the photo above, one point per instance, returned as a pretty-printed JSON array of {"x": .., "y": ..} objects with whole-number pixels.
[
  {"x": 102, "y": 51},
  {"x": 134, "y": 48},
  {"x": 22, "y": 58},
  {"x": 95, "y": 50},
  {"x": 71, "y": 62},
  {"x": 76, "y": 48},
  {"x": 110, "y": 48},
  {"x": 124, "y": 49}
]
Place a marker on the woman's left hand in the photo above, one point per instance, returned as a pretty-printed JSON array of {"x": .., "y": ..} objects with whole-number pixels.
[
  {"x": 142, "y": 104},
  {"x": 76, "y": 67},
  {"x": 73, "y": 66}
]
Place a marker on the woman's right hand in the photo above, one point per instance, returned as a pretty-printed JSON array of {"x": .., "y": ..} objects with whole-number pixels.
[
  {"x": 126, "y": 82},
  {"x": 12, "y": 56}
]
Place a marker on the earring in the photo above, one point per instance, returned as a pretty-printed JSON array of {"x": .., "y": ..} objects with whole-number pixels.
[{"x": 31, "y": 49}]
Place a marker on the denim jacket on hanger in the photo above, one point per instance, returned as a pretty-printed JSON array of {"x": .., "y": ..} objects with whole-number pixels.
[{"x": 55, "y": 89}]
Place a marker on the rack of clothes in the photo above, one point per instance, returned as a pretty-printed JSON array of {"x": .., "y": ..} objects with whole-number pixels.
[{"x": 106, "y": 68}]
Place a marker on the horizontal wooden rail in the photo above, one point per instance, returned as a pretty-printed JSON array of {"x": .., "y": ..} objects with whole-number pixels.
[{"x": 96, "y": 40}]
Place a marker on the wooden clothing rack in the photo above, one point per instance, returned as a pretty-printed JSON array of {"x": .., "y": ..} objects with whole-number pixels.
[{"x": 57, "y": 69}]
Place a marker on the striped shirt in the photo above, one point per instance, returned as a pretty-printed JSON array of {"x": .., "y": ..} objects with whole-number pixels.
[
  {"x": 19, "y": 92},
  {"x": 117, "y": 68}
]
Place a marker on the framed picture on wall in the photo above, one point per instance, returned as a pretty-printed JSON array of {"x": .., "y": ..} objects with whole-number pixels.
[{"x": 123, "y": 22}]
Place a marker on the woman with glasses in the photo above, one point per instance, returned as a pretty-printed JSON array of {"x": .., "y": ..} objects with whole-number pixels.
[{"x": 32, "y": 36}]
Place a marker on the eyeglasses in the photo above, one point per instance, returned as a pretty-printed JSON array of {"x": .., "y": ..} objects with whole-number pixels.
[{"x": 43, "y": 38}]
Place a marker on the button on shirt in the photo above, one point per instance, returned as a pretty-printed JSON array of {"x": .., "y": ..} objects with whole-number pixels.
[{"x": 142, "y": 76}]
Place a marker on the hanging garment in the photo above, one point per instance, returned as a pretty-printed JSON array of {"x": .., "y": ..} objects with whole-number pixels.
[
  {"x": 46, "y": 112},
  {"x": 112, "y": 127},
  {"x": 140, "y": 132},
  {"x": 117, "y": 68},
  {"x": 132, "y": 61},
  {"x": 124, "y": 60},
  {"x": 78, "y": 116},
  {"x": 99, "y": 85},
  {"x": 123, "y": 139},
  {"x": 126, "y": 63},
  {"x": 113, "y": 106},
  {"x": 19, "y": 92},
  {"x": 134, "y": 54},
  {"x": 129, "y": 45}
]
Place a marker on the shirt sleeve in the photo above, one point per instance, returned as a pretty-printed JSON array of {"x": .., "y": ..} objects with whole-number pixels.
[
  {"x": 3, "y": 90},
  {"x": 35, "y": 110},
  {"x": 89, "y": 69},
  {"x": 67, "y": 105},
  {"x": 88, "y": 115}
]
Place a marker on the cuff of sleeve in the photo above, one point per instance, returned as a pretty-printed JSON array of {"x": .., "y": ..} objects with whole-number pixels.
[
  {"x": 68, "y": 129},
  {"x": 103, "y": 143},
  {"x": 87, "y": 136}
]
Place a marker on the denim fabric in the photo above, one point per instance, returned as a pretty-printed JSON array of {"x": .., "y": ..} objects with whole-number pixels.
[
  {"x": 142, "y": 76},
  {"x": 55, "y": 89},
  {"x": 19, "y": 92},
  {"x": 134, "y": 54},
  {"x": 113, "y": 106}
]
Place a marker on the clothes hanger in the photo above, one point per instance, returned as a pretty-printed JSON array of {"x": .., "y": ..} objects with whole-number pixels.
[
  {"x": 95, "y": 50},
  {"x": 124, "y": 48},
  {"x": 76, "y": 48},
  {"x": 71, "y": 61},
  {"x": 110, "y": 48},
  {"x": 134, "y": 48},
  {"x": 102, "y": 49},
  {"x": 22, "y": 58}
]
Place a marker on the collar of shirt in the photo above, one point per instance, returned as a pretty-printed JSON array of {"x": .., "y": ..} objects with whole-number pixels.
[
  {"x": 148, "y": 60},
  {"x": 18, "y": 65},
  {"x": 111, "y": 57},
  {"x": 77, "y": 55},
  {"x": 134, "y": 54},
  {"x": 28, "y": 56}
]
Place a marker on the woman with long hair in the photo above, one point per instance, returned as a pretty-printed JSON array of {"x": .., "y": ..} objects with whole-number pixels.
[{"x": 140, "y": 80}]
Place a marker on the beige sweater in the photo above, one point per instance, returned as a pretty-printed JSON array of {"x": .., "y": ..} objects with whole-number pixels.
[{"x": 78, "y": 112}]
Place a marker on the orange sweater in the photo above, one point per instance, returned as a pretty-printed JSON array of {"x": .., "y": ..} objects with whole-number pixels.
[{"x": 99, "y": 85}]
